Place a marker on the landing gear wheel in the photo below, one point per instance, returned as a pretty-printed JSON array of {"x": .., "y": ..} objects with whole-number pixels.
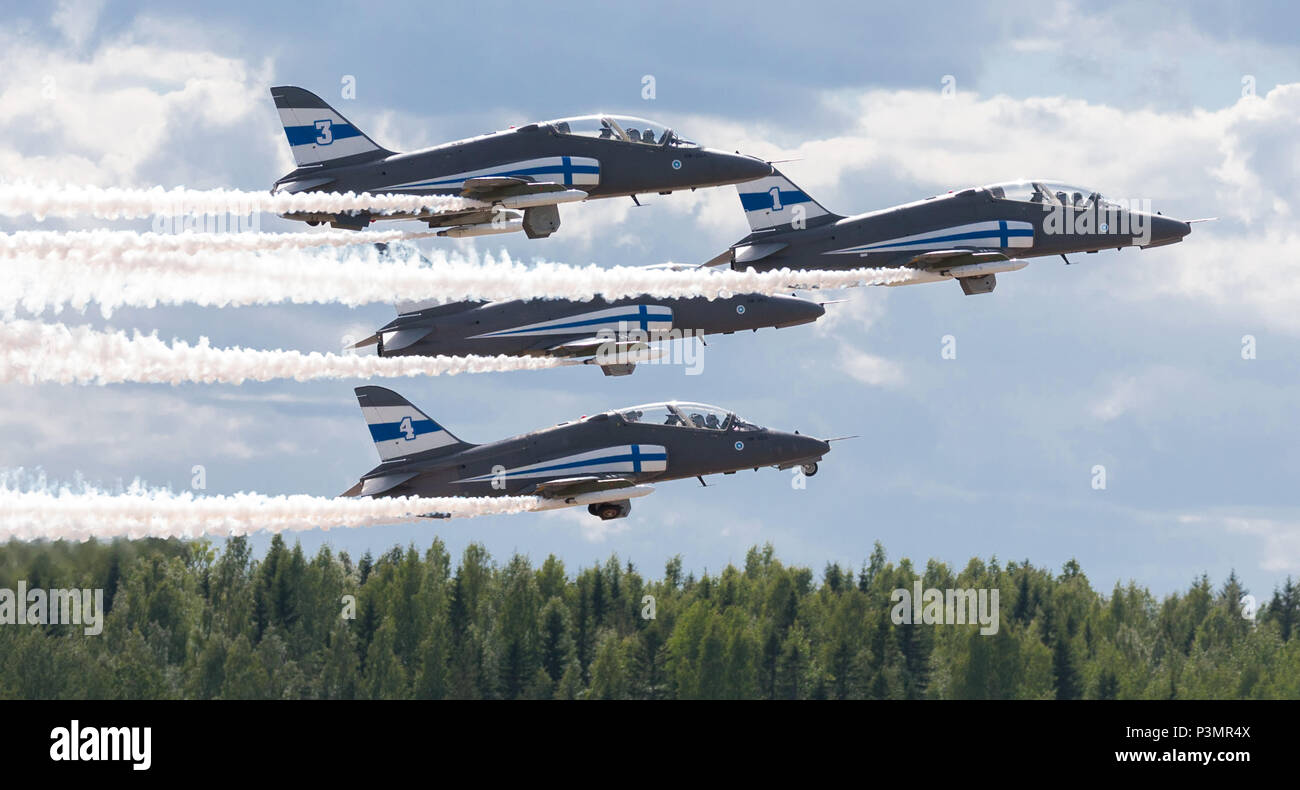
[
  {"x": 605, "y": 511},
  {"x": 809, "y": 470}
]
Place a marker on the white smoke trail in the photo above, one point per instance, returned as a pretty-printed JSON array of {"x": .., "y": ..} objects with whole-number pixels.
[
  {"x": 119, "y": 245},
  {"x": 69, "y": 200},
  {"x": 32, "y": 352},
  {"x": 65, "y": 514},
  {"x": 360, "y": 276}
]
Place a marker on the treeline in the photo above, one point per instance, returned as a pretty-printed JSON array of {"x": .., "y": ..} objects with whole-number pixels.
[{"x": 187, "y": 621}]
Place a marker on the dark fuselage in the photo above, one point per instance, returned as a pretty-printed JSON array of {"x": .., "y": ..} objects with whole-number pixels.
[
  {"x": 544, "y": 326},
  {"x": 599, "y": 167},
  {"x": 971, "y": 219},
  {"x": 492, "y": 469}
]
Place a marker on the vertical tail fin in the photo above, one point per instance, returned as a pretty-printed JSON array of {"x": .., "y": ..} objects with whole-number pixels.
[
  {"x": 399, "y": 429},
  {"x": 775, "y": 202},
  {"x": 319, "y": 134}
]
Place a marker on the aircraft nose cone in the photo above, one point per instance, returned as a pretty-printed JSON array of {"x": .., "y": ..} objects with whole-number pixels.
[
  {"x": 754, "y": 167},
  {"x": 1167, "y": 230},
  {"x": 802, "y": 311},
  {"x": 809, "y": 447},
  {"x": 1168, "y": 227},
  {"x": 738, "y": 168}
]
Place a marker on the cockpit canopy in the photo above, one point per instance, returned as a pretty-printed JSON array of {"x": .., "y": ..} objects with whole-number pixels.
[
  {"x": 1051, "y": 193},
  {"x": 686, "y": 415},
  {"x": 619, "y": 127}
]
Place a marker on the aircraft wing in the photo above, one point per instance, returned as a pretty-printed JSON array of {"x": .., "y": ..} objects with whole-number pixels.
[
  {"x": 503, "y": 188},
  {"x": 572, "y": 486},
  {"x": 945, "y": 259},
  {"x": 473, "y": 216},
  {"x": 590, "y": 345},
  {"x": 746, "y": 253}
]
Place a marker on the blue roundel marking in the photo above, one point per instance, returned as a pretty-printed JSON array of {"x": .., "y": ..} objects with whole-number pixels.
[
  {"x": 740, "y": 309},
  {"x": 1104, "y": 227},
  {"x": 740, "y": 445},
  {"x": 677, "y": 164}
]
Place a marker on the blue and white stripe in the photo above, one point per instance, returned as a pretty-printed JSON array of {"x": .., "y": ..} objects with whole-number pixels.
[
  {"x": 646, "y": 318},
  {"x": 319, "y": 134},
  {"x": 992, "y": 234},
  {"x": 567, "y": 170},
  {"x": 624, "y": 459},
  {"x": 403, "y": 430},
  {"x": 774, "y": 201}
]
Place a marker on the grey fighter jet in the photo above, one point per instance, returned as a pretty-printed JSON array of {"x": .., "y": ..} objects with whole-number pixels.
[
  {"x": 603, "y": 461},
  {"x": 612, "y": 334},
  {"x": 532, "y": 168},
  {"x": 969, "y": 235}
]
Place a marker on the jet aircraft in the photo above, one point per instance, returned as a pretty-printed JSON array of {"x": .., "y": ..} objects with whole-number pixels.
[
  {"x": 611, "y": 334},
  {"x": 603, "y": 461},
  {"x": 969, "y": 235},
  {"x": 532, "y": 168}
]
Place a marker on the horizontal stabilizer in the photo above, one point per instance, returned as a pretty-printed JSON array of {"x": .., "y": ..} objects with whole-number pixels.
[
  {"x": 373, "y": 486},
  {"x": 405, "y": 338},
  {"x": 756, "y": 252}
]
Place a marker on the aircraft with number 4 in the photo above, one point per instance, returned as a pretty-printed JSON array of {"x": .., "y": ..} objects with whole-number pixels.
[
  {"x": 603, "y": 461},
  {"x": 533, "y": 168}
]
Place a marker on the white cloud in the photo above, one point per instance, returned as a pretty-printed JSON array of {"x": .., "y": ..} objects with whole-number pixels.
[
  {"x": 872, "y": 370},
  {"x": 102, "y": 117},
  {"x": 861, "y": 308},
  {"x": 77, "y": 19},
  {"x": 592, "y": 529},
  {"x": 1121, "y": 397},
  {"x": 1280, "y": 550}
]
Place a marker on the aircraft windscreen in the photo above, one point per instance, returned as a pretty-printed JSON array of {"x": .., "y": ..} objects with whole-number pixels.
[
  {"x": 620, "y": 127},
  {"x": 1047, "y": 192},
  {"x": 686, "y": 415}
]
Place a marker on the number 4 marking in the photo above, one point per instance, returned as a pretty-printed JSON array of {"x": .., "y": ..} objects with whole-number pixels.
[{"x": 406, "y": 428}]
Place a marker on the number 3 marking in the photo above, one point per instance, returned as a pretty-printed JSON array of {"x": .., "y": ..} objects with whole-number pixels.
[{"x": 326, "y": 135}]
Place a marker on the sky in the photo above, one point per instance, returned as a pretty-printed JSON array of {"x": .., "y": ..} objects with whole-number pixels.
[{"x": 1131, "y": 361}]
